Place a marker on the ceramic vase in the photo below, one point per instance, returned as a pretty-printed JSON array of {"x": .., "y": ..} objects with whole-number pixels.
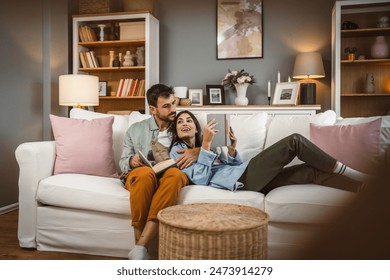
[
  {"x": 128, "y": 59},
  {"x": 241, "y": 98},
  {"x": 370, "y": 85},
  {"x": 380, "y": 49}
]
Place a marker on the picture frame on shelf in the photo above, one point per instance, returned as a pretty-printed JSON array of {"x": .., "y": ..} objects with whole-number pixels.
[
  {"x": 196, "y": 96},
  {"x": 103, "y": 85},
  {"x": 286, "y": 93},
  {"x": 215, "y": 95},
  {"x": 236, "y": 40}
]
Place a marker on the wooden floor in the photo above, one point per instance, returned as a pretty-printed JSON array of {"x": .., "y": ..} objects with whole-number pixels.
[{"x": 10, "y": 250}]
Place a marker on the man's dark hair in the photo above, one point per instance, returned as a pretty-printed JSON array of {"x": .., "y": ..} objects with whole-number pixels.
[{"x": 156, "y": 91}]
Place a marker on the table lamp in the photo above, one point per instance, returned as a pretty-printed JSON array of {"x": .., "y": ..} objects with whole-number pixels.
[
  {"x": 78, "y": 90},
  {"x": 308, "y": 66}
]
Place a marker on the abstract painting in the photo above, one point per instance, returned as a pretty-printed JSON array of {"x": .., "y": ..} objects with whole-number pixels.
[{"x": 239, "y": 29}]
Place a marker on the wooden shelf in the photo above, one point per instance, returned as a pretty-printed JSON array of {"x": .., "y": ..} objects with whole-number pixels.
[
  {"x": 110, "y": 69},
  {"x": 370, "y": 60},
  {"x": 365, "y": 95},
  {"x": 365, "y": 32},
  {"x": 121, "y": 97},
  {"x": 111, "y": 44}
]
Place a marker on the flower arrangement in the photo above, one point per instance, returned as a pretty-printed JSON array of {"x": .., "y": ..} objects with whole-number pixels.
[{"x": 237, "y": 77}]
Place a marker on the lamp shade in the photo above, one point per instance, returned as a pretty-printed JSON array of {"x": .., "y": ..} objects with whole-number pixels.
[
  {"x": 78, "y": 90},
  {"x": 308, "y": 65}
]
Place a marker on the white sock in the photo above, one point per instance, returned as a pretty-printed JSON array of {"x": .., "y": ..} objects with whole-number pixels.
[
  {"x": 341, "y": 168},
  {"x": 138, "y": 253}
]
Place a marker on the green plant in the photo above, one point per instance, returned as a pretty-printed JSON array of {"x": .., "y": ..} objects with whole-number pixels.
[{"x": 350, "y": 50}]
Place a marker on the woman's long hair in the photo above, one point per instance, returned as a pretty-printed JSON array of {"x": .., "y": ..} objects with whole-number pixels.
[{"x": 173, "y": 129}]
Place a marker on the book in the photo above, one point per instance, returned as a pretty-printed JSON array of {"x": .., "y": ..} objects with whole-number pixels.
[
  {"x": 221, "y": 138},
  {"x": 159, "y": 167}
]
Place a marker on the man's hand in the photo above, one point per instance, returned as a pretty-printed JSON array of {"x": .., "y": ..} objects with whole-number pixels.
[
  {"x": 136, "y": 161},
  {"x": 188, "y": 157}
]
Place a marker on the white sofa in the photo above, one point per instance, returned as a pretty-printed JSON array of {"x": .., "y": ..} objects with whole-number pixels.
[{"x": 90, "y": 214}]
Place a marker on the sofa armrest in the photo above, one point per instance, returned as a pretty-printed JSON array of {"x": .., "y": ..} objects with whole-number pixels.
[{"x": 36, "y": 162}]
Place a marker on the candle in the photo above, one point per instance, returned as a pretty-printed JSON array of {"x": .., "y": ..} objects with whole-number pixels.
[
  {"x": 289, "y": 79},
  {"x": 269, "y": 88},
  {"x": 278, "y": 77}
]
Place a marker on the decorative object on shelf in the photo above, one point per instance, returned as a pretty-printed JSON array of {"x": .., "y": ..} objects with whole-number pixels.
[
  {"x": 239, "y": 29},
  {"x": 370, "y": 83},
  {"x": 128, "y": 59},
  {"x": 308, "y": 66},
  {"x": 196, "y": 96},
  {"x": 78, "y": 90},
  {"x": 240, "y": 80},
  {"x": 241, "y": 98},
  {"x": 215, "y": 95},
  {"x": 185, "y": 102},
  {"x": 116, "y": 62},
  {"x": 383, "y": 22},
  {"x": 269, "y": 92},
  {"x": 349, "y": 25},
  {"x": 103, "y": 88},
  {"x": 351, "y": 52},
  {"x": 101, "y": 34},
  {"x": 286, "y": 93},
  {"x": 180, "y": 91},
  {"x": 99, "y": 6},
  {"x": 380, "y": 49},
  {"x": 361, "y": 57},
  {"x": 140, "y": 56},
  {"x": 112, "y": 57}
]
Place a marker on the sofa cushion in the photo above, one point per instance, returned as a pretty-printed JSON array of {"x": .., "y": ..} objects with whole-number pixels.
[
  {"x": 78, "y": 191},
  {"x": 306, "y": 204},
  {"x": 84, "y": 146},
  {"x": 282, "y": 126},
  {"x": 204, "y": 194},
  {"x": 356, "y": 145},
  {"x": 119, "y": 127}
]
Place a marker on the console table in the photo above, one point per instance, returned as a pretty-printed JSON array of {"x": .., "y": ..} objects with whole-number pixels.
[{"x": 272, "y": 110}]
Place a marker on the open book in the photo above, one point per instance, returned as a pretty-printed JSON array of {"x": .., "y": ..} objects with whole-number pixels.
[{"x": 159, "y": 167}]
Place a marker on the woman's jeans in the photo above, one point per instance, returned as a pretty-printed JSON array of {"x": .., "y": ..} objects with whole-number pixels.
[{"x": 267, "y": 170}]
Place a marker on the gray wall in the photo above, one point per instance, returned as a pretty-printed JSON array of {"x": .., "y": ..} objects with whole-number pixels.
[
  {"x": 188, "y": 44},
  {"x": 33, "y": 52}
]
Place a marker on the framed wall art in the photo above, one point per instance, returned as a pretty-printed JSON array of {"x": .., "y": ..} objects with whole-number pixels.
[
  {"x": 215, "y": 95},
  {"x": 196, "y": 96},
  {"x": 103, "y": 88},
  {"x": 239, "y": 29},
  {"x": 286, "y": 93}
]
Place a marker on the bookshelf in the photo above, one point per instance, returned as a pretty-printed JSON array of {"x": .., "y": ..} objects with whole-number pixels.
[
  {"x": 87, "y": 42},
  {"x": 349, "y": 98}
]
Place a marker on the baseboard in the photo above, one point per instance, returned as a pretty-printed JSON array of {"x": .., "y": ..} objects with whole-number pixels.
[{"x": 9, "y": 208}]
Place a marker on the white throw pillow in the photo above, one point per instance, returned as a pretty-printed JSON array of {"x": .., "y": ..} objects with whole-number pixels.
[{"x": 250, "y": 131}]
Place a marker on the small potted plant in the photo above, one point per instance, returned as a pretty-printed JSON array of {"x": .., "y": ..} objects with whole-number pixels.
[{"x": 351, "y": 52}]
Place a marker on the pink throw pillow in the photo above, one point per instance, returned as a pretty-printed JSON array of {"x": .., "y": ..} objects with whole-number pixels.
[
  {"x": 84, "y": 146},
  {"x": 356, "y": 145}
]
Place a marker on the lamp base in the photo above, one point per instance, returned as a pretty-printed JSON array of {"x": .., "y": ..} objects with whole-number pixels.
[{"x": 308, "y": 93}]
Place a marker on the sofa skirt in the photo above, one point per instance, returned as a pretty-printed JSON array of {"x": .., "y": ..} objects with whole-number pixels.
[{"x": 84, "y": 232}]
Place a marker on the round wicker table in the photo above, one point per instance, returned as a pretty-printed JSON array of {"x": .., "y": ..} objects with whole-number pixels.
[{"x": 212, "y": 231}]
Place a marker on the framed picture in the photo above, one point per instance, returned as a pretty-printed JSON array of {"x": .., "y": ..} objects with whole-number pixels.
[
  {"x": 196, "y": 96},
  {"x": 239, "y": 29},
  {"x": 103, "y": 88},
  {"x": 215, "y": 95},
  {"x": 286, "y": 93}
]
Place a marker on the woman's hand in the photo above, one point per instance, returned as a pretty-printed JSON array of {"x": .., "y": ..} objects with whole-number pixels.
[
  {"x": 208, "y": 134},
  {"x": 233, "y": 142}
]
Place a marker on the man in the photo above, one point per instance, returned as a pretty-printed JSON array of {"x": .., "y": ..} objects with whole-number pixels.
[{"x": 149, "y": 193}]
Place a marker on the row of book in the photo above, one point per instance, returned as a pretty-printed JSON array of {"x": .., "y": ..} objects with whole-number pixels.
[
  {"x": 87, "y": 34},
  {"x": 131, "y": 87},
  {"x": 89, "y": 59}
]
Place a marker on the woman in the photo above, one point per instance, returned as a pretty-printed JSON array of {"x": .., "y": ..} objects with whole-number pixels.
[{"x": 265, "y": 171}]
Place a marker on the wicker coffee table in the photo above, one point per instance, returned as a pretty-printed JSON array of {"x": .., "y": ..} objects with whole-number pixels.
[{"x": 204, "y": 231}]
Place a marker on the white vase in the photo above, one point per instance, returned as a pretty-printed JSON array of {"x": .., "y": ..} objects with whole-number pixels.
[
  {"x": 241, "y": 98},
  {"x": 380, "y": 49},
  {"x": 370, "y": 85}
]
